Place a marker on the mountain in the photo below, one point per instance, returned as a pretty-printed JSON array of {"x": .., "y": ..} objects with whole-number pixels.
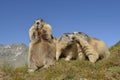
[{"x": 13, "y": 54}]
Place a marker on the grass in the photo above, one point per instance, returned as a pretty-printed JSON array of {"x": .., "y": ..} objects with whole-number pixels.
[{"x": 108, "y": 69}]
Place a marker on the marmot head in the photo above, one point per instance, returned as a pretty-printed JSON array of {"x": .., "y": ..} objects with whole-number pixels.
[{"x": 64, "y": 41}]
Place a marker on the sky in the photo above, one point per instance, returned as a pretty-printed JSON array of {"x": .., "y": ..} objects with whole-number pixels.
[{"x": 97, "y": 18}]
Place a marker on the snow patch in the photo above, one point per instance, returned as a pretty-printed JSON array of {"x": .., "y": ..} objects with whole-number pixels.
[{"x": 18, "y": 53}]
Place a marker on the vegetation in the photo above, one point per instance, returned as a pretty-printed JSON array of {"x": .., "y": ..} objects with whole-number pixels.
[
  {"x": 107, "y": 69},
  {"x": 116, "y": 48}
]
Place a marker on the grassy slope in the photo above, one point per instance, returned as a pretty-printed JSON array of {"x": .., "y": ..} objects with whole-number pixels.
[{"x": 74, "y": 70}]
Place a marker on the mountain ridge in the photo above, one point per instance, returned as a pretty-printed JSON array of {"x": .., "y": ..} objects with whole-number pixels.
[{"x": 13, "y": 53}]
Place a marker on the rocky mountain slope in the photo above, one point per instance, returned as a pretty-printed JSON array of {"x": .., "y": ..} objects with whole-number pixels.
[{"x": 13, "y": 54}]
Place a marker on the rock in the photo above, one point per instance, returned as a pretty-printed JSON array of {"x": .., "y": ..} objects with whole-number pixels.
[{"x": 13, "y": 55}]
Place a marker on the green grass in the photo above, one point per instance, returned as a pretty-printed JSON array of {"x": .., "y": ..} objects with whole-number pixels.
[
  {"x": 108, "y": 69},
  {"x": 115, "y": 48}
]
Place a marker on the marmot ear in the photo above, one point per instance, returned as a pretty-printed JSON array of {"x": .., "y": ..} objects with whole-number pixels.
[{"x": 41, "y": 20}]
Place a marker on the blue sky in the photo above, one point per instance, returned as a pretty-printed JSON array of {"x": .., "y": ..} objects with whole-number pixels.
[{"x": 97, "y": 18}]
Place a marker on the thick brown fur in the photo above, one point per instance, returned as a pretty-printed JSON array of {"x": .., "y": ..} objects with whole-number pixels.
[
  {"x": 66, "y": 48},
  {"x": 92, "y": 48},
  {"x": 42, "y": 48}
]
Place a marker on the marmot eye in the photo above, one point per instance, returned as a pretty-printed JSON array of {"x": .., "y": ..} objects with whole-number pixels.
[
  {"x": 73, "y": 38},
  {"x": 37, "y": 23},
  {"x": 66, "y": 35}
]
